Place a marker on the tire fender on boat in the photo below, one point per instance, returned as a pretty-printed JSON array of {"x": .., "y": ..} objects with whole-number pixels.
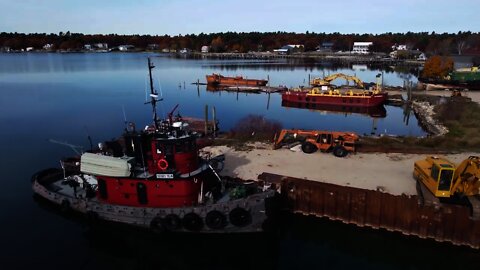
[
  {"x": 156, "y": 225},
  {"x": 65, "y": 206},
  {"x": 192, "y": 222},
  {"x": 240, "y": 217},
  {"x": 215, "y": 220},
  {"x": 172, "y": 222}
]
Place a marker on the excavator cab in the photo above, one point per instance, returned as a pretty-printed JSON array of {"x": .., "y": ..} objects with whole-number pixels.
[
  {"x": 438, "y": 177},
  {"x": 436, "y": 174}
]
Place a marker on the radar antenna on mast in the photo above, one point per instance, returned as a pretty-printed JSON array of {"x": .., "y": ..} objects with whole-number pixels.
[{"x": 153, "y": 95}]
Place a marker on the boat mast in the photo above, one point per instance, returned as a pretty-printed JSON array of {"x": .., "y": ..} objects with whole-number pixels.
[{"x": 153, "y": 94}]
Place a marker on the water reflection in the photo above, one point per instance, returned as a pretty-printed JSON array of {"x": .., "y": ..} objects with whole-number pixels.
[
  {"x": 100, "y": 84},
  {"x": 374, "y": 112}
]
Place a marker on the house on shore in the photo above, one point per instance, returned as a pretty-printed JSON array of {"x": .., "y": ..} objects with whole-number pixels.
[
  {"x": 205, "y": 49},
  {"x": 153, "y": 47},
  {"x": 101, "y": 46},
  {"x": 325, "y": 47},
  {"x": 124, "y": 48},
  {"x": 289, "y": 49},
  {"x": 361, "y": 47},
  {"x": 48, "y": 47},
  {"x": 408, "y": 54}
]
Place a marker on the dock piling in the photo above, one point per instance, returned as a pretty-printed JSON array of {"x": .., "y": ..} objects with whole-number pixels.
[{"x": 206, "y": 119}]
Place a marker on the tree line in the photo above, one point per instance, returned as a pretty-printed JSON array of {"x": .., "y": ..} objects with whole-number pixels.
[{"x": 429, "y": 42}]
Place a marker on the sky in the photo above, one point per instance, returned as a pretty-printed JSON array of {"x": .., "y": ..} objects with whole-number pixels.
[{"x": 174, "y": 17}]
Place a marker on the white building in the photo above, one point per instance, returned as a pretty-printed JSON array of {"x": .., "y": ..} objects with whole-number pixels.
[
  {"x": 205, "y": 49},
  {"x": 399, "y": 47},
  {"x": 29, "y": 49},
  {"x": 103, "y": 46},
  {"x": 125, "y": 48},
  {"x": 421, "y": 57},
  {"x": 290, "y": 48},
  {"x": 48, "y": 46},
  {"x": 361, "y": 47}
]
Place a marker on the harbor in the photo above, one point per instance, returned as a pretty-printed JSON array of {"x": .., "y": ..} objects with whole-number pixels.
[{"x": 230, "y": 108}]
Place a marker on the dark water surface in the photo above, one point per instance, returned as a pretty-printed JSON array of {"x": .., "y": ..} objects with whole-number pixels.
[{"x": 70, "y": 96}]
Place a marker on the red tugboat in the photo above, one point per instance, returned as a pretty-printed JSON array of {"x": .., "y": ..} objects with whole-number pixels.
[
  {"x": 155, "y": 178},
  {"x": 323, "y": 93},
  {"x": 217, "y": 79}
]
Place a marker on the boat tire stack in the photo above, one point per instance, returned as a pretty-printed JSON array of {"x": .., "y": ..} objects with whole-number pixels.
[
  {"x": 215, "y": 220},
  {"x": 192, "y": 222},
  {"x": 240, "y": 217},
  {"x": 172, "y": 222}
]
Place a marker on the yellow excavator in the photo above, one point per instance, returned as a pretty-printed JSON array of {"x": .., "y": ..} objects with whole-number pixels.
[
  {"x": 327, "y": 80},
  {"x": 447, "y": 182}
]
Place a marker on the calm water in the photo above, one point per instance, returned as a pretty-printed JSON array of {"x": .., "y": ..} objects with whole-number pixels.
[{"x": 70, "y": 96}]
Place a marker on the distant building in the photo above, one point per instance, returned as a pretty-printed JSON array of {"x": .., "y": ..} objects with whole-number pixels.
[
  {"x": 399, "y": 47},
  {"x": 361, "y": 47},
  {"x": 125, "y": 48},
  {"x": 48, "y": 47},
  {"x": 408, "y": 54},
  {"x": 153, "y": 47},
  {"x": 280, "y": 51},
  {"x": 205, "y": 49},
  {"x": 29, "y": 49},
  {"x": 87, "y": 47},
  {"x": 325, "y": 47},
  {"x": 101, "y": 46},
  {"x": 185, "y": 51},
  {"x": 421, "y": 57},
  {"x": 288, "y": 49}
]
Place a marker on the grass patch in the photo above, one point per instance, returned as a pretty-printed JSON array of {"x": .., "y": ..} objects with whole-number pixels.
[
  {"x": 255, "y": 128},
  {"x": 462, "y": 118}
]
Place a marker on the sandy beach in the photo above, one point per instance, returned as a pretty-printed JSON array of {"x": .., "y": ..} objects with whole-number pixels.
[{"x": 390, "y": 173}]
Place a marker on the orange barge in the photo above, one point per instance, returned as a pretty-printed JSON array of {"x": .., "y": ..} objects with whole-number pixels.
[{"x": 217, "y": 79}]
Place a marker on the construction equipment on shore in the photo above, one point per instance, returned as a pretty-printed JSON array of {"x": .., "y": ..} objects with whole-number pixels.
[
  {"x": 441, "y": 181},
  {"x": 339, "y": 143},
  {"x": 327, "y": 80}
]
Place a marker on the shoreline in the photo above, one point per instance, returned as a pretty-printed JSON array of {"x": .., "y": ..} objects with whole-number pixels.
[
  {"x": 386, "y": 172},
  {"x": 345, "y": 57}
]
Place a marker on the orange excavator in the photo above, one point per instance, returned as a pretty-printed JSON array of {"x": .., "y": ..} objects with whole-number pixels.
[{"x": 339, "y": 143}]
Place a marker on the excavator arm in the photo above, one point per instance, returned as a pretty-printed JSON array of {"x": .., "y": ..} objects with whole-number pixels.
[
  {"x": 327, "y": 80},
  {"x": 467, "y": 176}
]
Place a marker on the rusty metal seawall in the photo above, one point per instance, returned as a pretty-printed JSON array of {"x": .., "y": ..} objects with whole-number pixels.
[{"x": 451, "y": 223}]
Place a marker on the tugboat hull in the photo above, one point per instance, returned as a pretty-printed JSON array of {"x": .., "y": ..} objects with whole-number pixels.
[{"x": 247, "y": 214}]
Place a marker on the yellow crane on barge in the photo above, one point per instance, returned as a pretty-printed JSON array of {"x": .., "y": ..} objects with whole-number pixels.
[{"x": 327, "y": 80}]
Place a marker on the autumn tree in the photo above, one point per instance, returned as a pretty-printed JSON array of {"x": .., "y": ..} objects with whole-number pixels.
[
  {"x": 437, "y": 67},
  {"x": 217, "y": 44}
]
